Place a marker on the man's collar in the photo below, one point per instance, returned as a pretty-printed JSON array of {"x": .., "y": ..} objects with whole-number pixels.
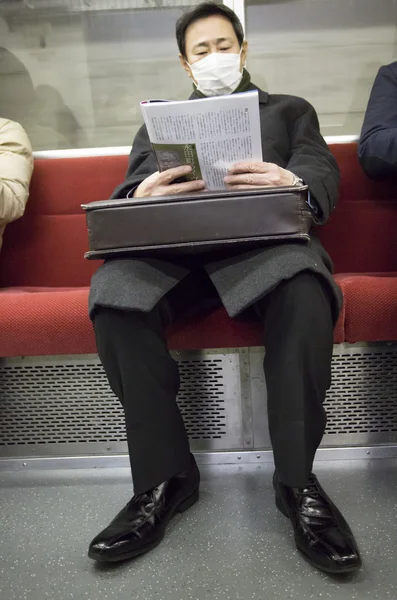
[{"x": 263, "y": 96}]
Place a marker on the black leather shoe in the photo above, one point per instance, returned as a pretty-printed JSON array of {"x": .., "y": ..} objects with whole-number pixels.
[
  {"x": 141, "y": 525},
  {"x": 321, "y": 532}
]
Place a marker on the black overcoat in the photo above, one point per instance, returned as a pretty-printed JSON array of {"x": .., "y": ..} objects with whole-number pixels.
[{"x": 290, "y": 138}]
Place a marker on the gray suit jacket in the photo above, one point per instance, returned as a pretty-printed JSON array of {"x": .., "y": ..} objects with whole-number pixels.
[{"x": 290, "y": 138}]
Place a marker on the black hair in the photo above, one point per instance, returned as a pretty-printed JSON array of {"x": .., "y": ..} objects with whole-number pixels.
[{"x": 201, "y": 11}]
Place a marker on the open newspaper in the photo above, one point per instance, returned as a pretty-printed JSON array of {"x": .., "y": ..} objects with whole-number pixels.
[{"x": 210, "y": 134}]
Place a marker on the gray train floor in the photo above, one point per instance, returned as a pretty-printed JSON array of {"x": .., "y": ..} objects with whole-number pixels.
[{"x": 233, "y": 544}]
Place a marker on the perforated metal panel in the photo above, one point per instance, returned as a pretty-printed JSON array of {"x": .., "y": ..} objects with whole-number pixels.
[
  {"x": 363, "y": 397},
  {"x": 65, "y": 406},
  {"x": 201, "y": 398},
  {"x": 361, "y": 404},
  {"x": 60, "y": 403}
]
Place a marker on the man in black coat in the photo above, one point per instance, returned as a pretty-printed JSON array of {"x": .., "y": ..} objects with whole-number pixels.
[
  {"x": 288, "y": 287},
  {"x": 377, "y": 149}
]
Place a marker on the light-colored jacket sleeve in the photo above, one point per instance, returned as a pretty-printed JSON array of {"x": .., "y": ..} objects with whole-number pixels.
[{"x": 16, "y": 166}]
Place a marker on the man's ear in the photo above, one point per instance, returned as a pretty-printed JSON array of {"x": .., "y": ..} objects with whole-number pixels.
[
  {"x": 244, "y": 52},
  {"x": 185, "y": 65}
]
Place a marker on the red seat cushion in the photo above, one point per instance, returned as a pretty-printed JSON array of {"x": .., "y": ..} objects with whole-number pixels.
[
  {"x": 215, "y": 330},
  {"x": 39, "y": 322},
  {"x": 371, "y": 307},
  {"x": 54, "y": 321}
]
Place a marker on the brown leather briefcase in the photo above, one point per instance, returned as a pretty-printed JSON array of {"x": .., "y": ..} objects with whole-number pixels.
[{"x": 198, "y": 222}]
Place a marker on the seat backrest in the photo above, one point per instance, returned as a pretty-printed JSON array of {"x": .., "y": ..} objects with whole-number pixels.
[
  {"x": 46, "y": 247},
  {"x": 361, "y": 235}
]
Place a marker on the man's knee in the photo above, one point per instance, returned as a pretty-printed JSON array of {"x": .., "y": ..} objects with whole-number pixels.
[
  {"x": 116, "y": 322},
  {"x": 304, "y": 287},
  {"x": 111, "y": 319},
  {"x": 300, "y": 297},
  {"x": 305, "y": 290}
]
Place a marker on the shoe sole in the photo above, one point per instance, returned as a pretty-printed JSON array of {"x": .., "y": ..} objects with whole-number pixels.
[
  {"x": 333, "y": 571},
  {"x": 180, "y": 508}
]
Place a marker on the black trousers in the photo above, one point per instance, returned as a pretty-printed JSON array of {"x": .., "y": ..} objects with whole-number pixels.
[{"x": 298, "y": 337}]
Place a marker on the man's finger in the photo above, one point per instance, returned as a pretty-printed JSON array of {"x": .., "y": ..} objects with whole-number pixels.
[
  {"x": 258, "y": 179},
  {"x": 250, "y": 167},
  {"x": 151, "y": 182},
  {"x": 170, "y": 174},
  {"x": 186, "y": 188},
  {"x": 247, "y": 187}
]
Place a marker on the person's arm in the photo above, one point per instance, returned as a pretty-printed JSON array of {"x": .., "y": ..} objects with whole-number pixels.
[
  {"x": 313, "y": 162},
  {"x": 16, "y": 166},
  {"x": 377, "y": 149},
  {"x": 141, "y": 164}
]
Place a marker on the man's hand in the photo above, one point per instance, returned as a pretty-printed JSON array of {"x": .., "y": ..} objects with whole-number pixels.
[
  {"x": 161, "y": 184},
  {"x": 249, "y": 174}
]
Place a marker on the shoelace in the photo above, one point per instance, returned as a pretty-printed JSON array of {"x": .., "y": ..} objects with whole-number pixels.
[
  {"x": 145, "y": 498},
  {"x": 141, "y": 498},
  {"x": 311, "y": 489}
]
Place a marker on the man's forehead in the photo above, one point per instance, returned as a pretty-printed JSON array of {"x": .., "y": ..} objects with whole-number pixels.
[{"x": 214, "y": 26}]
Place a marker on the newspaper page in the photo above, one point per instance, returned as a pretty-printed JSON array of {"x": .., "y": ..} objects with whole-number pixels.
[{"x": 210, "y": 134}]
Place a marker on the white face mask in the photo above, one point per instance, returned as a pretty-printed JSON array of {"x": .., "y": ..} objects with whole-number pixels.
[{"x": 218, "y": 73}]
